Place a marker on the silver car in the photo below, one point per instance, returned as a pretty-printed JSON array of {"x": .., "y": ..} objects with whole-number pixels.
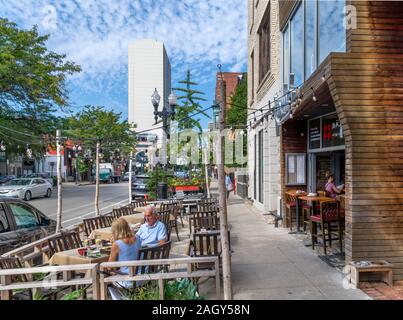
[{"x": 26, "y": 188}]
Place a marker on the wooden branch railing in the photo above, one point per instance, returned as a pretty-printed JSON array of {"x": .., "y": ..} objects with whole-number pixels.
[
  {"x": 172, "y": 274},
  {"x": 68, "y": 279}
]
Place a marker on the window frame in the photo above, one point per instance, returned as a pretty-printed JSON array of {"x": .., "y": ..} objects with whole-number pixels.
[
  {"x": 295, "y": 155},
  {"x": 264, "y": 32},
  {"x": 7, "y": 219},
  {"x": 11, "y": 213}
]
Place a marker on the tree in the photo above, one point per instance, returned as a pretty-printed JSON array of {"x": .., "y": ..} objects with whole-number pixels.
[
  {"x": 32, "y": 87},
  {"x": 190, "y": 104},
  {"x": 97, "y": 128},
  {"x": 237, "y": 114},
  {"x": 32, "y": 79}
]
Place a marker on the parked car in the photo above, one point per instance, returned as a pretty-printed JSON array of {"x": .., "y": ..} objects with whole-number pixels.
[
  {"x": 26, "y": 188},
  {"x": 4, "y": 179},
  {"x": 139, "y": 186},
  {"x": 46, "y": 176},
  {"x": 127, "y": 175},
  {"x": 21, "y": 223}
]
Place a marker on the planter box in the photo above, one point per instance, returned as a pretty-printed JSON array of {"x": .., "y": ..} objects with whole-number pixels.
[{"x": 187, "y": 188}]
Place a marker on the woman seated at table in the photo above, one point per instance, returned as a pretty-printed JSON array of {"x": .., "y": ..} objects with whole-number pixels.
[
  {"x": 331, "y": 190},
  {"x": 125, "y": 245}
]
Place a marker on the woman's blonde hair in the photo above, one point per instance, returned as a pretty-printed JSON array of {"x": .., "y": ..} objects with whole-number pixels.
[{"x": 121, "y": 230}]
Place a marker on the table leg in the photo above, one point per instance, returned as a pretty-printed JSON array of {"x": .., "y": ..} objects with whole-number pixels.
[{"x": 297, "y": 213}]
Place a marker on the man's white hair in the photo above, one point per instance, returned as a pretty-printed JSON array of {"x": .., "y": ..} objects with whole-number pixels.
[{"x": 153, "y": 209}]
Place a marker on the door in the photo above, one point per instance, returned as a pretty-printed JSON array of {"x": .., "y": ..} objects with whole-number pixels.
[
  {"x": 9, "y": 239},
  {"x": 34, "y": 187},
  {"x": 42, "y": 187},
  {"x": 27, "y": 223}
]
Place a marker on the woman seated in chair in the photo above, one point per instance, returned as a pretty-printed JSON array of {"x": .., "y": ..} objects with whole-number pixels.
[
  {"x": 125, "y": 245},
  {"x": 331, "y": 190}
]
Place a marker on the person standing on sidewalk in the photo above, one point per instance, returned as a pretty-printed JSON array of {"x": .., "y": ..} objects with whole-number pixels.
[{"x": 228, "y": 184}]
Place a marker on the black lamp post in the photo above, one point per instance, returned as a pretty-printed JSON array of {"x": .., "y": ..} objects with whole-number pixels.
[
  {"x": 77, "y": 150},
  {"x": 216, "y": 112},
  {"x": 166, "y": 111}
]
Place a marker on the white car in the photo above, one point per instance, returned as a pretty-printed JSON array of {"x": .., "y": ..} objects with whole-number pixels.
[{"x": 26, "y": 188}]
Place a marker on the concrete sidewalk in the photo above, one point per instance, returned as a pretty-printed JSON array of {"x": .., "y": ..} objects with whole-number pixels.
[{"x": 268, "y": 263}]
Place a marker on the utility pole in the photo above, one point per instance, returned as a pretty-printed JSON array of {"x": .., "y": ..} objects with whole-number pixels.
[
  {"x": 59, "y": 181},
  {"x": 97, "y": 179},
  {"x": 226, "y": 258},
  {"x": 130, "y": 176},
  {"x": 207, "y": 154}
]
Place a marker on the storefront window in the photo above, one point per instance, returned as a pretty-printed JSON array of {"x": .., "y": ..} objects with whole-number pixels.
[
  {"x": 332, "y": 34},
  {"x": 323, "y": 23},
  {"x": 286, "y": 55},
  {"x": 296, "y": 169},
  {"x": 332, "y": 131},
  {"x": 314, "y": 134},
  {"x": 297, "y": 45},
  {"x": 310, "y": 22}
]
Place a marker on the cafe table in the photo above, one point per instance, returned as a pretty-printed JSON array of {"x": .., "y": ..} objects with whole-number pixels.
[
  {"x": 314, "y": 200},
  {"x": 106, "y": 233},
  {"x": 71, "y": 257},
  {"x": 134, "y": 218},
  {"x": 142, "y": 209},
  {"x": 297, "y": 196}
]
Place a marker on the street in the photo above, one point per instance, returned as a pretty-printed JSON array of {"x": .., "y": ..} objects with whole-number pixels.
[{"x": 78, "y": 201}]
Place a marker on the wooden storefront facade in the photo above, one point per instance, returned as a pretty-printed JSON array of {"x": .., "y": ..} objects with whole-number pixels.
[{"x": 364, "y": 85}]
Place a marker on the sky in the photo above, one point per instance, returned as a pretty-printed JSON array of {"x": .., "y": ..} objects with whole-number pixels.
[{"x": 198, "y": 35}]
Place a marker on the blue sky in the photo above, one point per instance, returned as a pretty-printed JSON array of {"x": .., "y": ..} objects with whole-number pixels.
[{"x": 198, "y": 34}]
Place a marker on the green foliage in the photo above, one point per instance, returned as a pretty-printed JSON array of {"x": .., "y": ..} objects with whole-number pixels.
[
  {"x": 40, "y": 296},
  {"x": 94, "y": 122},
  {"x": 75, "y": 295},
  {"x": 32, "y": 87},
  {"x": 179, "y": 289},
  {"x": 190, "y": 103},
  {"x": 155, "y": 178},
  {"x": 31, "y": 77},
  {"x": 238, "y": 113}
]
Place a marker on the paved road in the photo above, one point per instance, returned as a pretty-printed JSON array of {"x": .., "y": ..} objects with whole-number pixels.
[{"x": 78, "y": 201}]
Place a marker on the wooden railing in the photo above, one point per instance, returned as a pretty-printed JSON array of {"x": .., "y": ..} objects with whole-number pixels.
[
  {"x": 68, "y": 280},
  {"x": 161, "y": 276}
]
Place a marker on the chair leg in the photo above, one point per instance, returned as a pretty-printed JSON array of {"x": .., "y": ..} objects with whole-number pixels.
[
  {"x": 313, "y": 233},
  {"x": 329, "y": 232},
  {"x": 176, "y": 229},
  {"x": 180, "y": 215},
  {"x": 323, "y": 231}
]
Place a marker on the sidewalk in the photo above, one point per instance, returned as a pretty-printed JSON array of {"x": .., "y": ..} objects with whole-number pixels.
[{"x": 268, "y": 263}]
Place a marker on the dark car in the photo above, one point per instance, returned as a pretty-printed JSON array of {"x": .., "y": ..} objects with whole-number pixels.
[
  {"x": 139, "y": 186},
  {"x": 21, "y": 223},
  {"x": 5, "y": 179}
]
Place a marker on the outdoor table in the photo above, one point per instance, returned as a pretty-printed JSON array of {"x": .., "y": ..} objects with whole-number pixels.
[
  {"x": 70, "y": 257},
  {"x": 134, "y": 218},
  {"x": 106, "y": 233},
  {"x": 298, "y": 196},
  {"x": 315, "y": 199},
  {"x": 142, "y": 209}
]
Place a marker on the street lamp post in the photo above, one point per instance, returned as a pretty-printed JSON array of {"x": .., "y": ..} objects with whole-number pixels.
[
  {"x": 77, "y": 150},
  {"x": 165, "y": 114}
]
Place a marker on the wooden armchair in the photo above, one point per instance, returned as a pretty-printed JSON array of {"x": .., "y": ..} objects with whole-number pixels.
[
  {"x": 165, "y": 218},
  {"x": 208, "y": 220}
]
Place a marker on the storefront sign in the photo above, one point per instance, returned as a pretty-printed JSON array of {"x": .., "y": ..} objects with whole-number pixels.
[
  {"x": 332, "y": 131},
  {"x": 314, "y": 134}
]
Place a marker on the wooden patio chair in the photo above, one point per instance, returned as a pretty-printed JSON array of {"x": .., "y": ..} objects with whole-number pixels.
[
  {"x": 205, "y": 244},
  {"x": 290, "y": 209},
  {"x": 72, "y": 239},
  {"x": 15, "y": 263},
  {"x": 165, "y": 218},
  {"x": 100, "y": 222},
  {"x": 328, "y": 217},
  {"x": 208, "y": 220},
  {"x": 153, "y": 253}
]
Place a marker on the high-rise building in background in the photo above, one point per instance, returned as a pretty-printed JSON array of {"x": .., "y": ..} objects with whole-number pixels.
[{"x": 149, "y": 69}]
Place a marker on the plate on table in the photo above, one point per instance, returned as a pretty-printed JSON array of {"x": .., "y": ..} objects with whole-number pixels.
[{"x": 312, "y": 194}]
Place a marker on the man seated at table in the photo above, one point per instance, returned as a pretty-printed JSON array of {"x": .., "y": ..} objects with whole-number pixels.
[{"x": 152, "y": 232}]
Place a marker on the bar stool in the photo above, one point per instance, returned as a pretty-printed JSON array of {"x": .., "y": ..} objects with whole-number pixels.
[{"x": 290, "y": 208}]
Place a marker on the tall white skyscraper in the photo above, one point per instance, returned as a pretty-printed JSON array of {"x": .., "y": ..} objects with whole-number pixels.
[{"x": 149, "y": 68}]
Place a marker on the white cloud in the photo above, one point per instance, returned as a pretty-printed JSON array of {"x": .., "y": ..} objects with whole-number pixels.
[{"x": 198, "y": 34}]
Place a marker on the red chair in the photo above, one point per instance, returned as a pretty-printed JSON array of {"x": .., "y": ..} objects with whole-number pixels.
[{"x": 328, "y": 217}]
